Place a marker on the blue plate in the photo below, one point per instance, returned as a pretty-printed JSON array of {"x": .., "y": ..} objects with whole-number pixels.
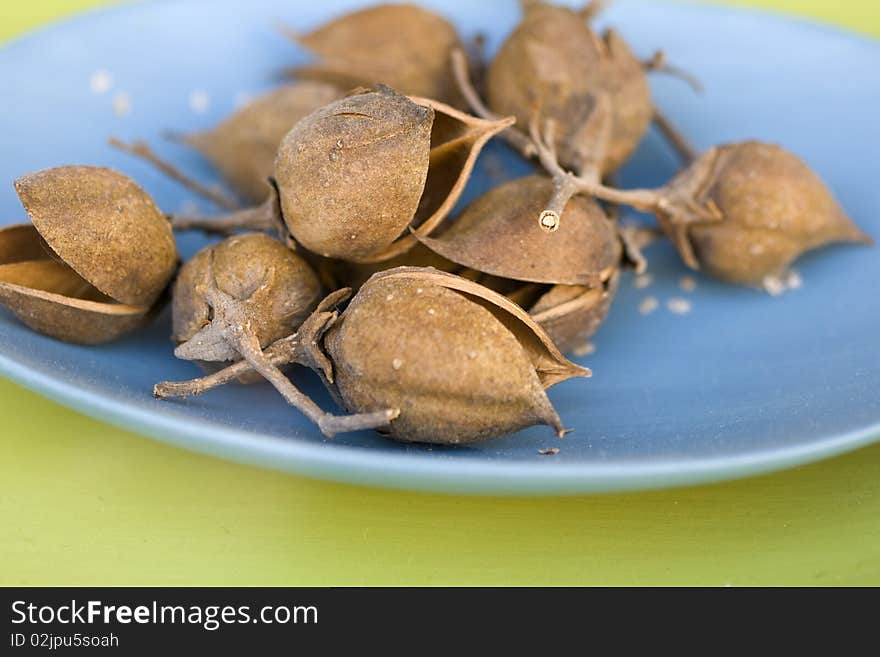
[{"x": 743, "y": 383}]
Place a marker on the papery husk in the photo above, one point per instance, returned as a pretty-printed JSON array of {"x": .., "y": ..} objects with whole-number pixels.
[
  {"x": 274, "y": 286},
  {"x": 497, "y": 234},
  {"x": 403, "y": 46},
  {"x": 339, "y": 274},
  {"x": 244, "y": 146},
  {"x": 462, "y": 363},
  {"x": 553, "y": 63},
  {"x": 349, "y": 189},
  {"x": 105, "y": 227},
  {"x": 571, "y": 314},
  {"x": 51, "y": 298},
  {"x": 771, "y": 208}
]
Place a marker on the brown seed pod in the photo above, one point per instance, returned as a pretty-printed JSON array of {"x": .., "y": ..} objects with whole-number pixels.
[
  {"x": 248, "y": 286},
  {"x": 554, "y": 63},
  {"x": 95, "y": 260},
  {"x": 401, "y": 45},
  {"x": 51, "y": 298},
  {"x": 353, "y": 176},
  {"x": 571, "y": 314},
  {"x": 460, "y": 362},
  {"x": 496, "y": 234},
  {"x": 772, "y": 208},
  {"x": 244, "y": 146},
  {"x": 455, "y": 361}
]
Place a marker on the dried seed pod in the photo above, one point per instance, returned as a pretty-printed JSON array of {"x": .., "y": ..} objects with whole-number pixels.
[
  {"x": 555, "y": 63},
  {"x": 247, "y": 284},
  {"x": 456, "y": 362},
  {"x": 496, "y": 234},
  {"x": 354, "y": 175},
  {"x": 244, "y": 146},
  {"x": 772, "y": 208},
  {"x": 461, "y": 363},
  {"x": 571, "y": 314},
  {"x": 96, "y": 259},
  {"x": 404, "y": 46},
  {"x": 51, "y": 298}
]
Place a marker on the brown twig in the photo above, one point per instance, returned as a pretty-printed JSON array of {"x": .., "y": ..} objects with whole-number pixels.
[
  {"x": 659, "y": 64},
  {"x": 676, "y": 139},
  {"x": 462, "y": 78},
  {"x": 261, "y": 218},
  {"x": 143, "y": 151}
]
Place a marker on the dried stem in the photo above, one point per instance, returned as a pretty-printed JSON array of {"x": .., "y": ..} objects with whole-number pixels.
[
  {"x": 329, "y": 424},
  {"x": 659, "y": 64},
  {"x": 462, "y": 78},
  {"x": 143, "y": 151},
  {"x": 566, "y": 184},
  {"x": 232, "y": 324},
  {"x": 263, "y": 217},
  {"x": 676, "y": 139}
]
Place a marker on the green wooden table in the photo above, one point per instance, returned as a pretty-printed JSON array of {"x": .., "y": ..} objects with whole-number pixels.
[{"x": 85, "y": 503}]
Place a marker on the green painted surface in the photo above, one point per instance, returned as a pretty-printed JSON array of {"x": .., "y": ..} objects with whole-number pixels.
[{"x": 84, "y": 503}]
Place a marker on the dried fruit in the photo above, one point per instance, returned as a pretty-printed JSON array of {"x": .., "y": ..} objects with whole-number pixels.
[
  {"x": 244, "y": 146},
  {"x": 403, "y": 46},
  {"x": 246, "y": 289},
  {"x": 554, "y": 63},
  {"x": 96, "y": 259},
  {"x": 458, "y": 362},
  {"x": 354, "y": 175},
  {"x": 772, "y": 208}
]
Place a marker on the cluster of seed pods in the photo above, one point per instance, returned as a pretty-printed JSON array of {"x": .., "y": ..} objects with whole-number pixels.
[{"x": 424, "y": 326}]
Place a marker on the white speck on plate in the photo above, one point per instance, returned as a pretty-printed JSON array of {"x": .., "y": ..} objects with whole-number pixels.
[
  {"x": 642, "y": 281},
  {"x": 648, "y": 305},
  {"x": 687, "y": 283},
  {"x": 794, "y": 280},
  {"x": 773, "y": 285},
  {"x": 678, "y": 306},
  {"x": 584, "y": 350},
  {"x": 101, "y": 82},
  {"x": 199, "y": 101},
  {"x": 242, "y": 98},
  {"x": 121, "y": 104}
]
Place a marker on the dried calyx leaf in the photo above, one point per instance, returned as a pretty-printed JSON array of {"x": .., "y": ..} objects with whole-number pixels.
[
  {"x": 571, "y": 314},
  {"x": 244, "y": 146},
  {"x": 401, "y": 45},
  {"x": 105, "y": 227},
  {"x": 354, "y": 175},
  {"x": 554, "y": 63},
  {"x": 497, "y": 235},
  {"x": 459, "y": 362},
  {"x": 52, "y": 298},
  {"x": 342, "y": 274},
  {"x": 96, "y": 259}
]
